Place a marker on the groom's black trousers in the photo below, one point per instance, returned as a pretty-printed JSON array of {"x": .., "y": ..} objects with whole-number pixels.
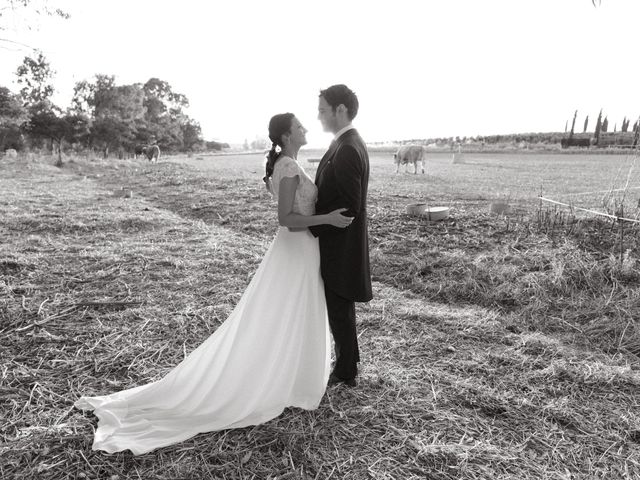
[{"x": 342, "y": 320}]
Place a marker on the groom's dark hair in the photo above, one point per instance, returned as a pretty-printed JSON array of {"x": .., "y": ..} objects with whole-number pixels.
[{"x": 341, "y": 94}]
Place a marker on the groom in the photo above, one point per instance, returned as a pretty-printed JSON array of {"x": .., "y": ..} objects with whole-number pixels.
[{"x": 342, "y": 179}]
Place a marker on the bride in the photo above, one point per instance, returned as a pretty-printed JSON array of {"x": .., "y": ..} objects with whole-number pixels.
[{"x": 272, "y": 352}]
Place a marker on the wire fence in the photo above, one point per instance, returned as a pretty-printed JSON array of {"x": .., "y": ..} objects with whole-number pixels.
[{"x": 595, "y": 212}]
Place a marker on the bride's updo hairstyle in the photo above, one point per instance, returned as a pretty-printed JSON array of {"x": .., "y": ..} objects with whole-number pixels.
[{"x": 278, "y": 126}]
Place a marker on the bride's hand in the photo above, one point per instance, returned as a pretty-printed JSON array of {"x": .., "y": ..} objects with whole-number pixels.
[{"x": 336, "y": 218}]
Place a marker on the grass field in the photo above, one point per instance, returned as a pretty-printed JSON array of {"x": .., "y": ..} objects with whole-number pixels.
[{"x": 496, "y": 347}]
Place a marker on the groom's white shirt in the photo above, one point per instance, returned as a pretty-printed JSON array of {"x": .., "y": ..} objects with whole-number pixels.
[{"x": 341, "y": 131}]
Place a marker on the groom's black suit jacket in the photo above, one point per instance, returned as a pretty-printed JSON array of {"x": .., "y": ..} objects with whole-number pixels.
[{"x": 342, "y": 179}]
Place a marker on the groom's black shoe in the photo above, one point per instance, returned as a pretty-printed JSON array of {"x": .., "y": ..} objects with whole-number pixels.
[{"x": 334, "y": 379}]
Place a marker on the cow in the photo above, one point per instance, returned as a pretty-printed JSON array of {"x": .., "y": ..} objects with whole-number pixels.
[
  {"x": 152, "y": 152},
  {"x": 407, "y": 154}
]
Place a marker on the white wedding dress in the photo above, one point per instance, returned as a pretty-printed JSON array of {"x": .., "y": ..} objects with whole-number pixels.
[{"x": 272, "y": 352}]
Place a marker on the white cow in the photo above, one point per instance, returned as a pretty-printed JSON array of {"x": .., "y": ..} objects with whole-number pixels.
[{"x": 407, "y": 154}]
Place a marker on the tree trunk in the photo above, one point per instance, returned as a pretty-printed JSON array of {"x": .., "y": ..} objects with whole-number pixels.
[{"x": 59, "y": 161}]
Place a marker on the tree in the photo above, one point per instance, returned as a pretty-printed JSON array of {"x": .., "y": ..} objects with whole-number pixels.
[
  {"x": 586, "y": 123},
  {"x": 47, "y": 124},
  {"x": 596, "y": 134},
  {"x": 573, "y": 124},
  {"x": 79, "y": 126},
  {"x": 83, "y": 92},
  {"x": 191, "y": 135},
  {"x": 112, "y": 113},
  {"x": 157, "y": 90},
  {"x": 108, "y": 133},
  {"x": 213, "y": 145},
  {"x": 625, "y": 125},
  {"x": 11, "y": 110},
  {"x": 117, "y": 111},
  {"x": 35, "y": 76},
  {"x": 123, "y": 116},
  {"x": 605, "y": 124},
  {"x": 12, "y": 115},
  {"x": 165, "y": 117}
]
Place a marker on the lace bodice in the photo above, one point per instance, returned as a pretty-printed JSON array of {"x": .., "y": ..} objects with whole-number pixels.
[{"x": 306, "y": 194}]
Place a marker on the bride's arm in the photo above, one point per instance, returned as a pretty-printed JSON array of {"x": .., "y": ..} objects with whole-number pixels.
[{"x": 288, "y": 218}]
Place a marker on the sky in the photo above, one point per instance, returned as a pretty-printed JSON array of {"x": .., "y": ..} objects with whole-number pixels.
[{"x": 420, "y": 68}]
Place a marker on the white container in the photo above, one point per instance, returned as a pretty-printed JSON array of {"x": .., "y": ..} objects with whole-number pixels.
[
  {"x": 436, "y": 213},
  {"x": 430, "y": 213}
]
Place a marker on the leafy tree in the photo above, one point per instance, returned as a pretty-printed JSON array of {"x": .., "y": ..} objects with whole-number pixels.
[
  {"x": 586, "y": 123},
  {"x": 11, "y": 109},
  {"x": 213, "y": 145},
  {"x": 117, "y": 111},
  {"x": 165, "y": 117},
  {"x": 123, "y": 116},
  {"x": 625, "y": 125},
  {"x": 82, "y": 100},
  {"x": 112, "y": 113},
  {"x": 605, "y": 124},
  {"x": 35, "y": 76},
  {"x": 598, "y": 130},
  {"x": 191, "y": 135},
  {"x": 108, "y": 133},
  {"x": 12, "y": 115},
  {"x": 161, "y": 100},
  {"x": 47, "y": 123},
  {"x": 78, "y": 127}
]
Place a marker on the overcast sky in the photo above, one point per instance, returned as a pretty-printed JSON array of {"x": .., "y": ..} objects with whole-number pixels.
[{"x": 422, "y": 68}]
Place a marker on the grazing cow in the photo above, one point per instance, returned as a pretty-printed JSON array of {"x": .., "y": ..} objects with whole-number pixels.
[
  {"x": 409, "y": 154},
  {"x": 152, "y": 152}
]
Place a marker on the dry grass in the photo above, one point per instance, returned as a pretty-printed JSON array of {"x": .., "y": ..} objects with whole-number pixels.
[{"x": 493, "y": 348}]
